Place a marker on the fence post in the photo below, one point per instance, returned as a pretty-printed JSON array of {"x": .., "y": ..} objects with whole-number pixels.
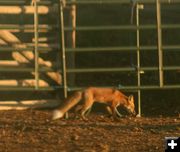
[
  {"x": 159, "y": 35},
  {"x": 36, "y": 37},
  {"x": 63, "y": 53},
  {"x": 138, "y": 7}
]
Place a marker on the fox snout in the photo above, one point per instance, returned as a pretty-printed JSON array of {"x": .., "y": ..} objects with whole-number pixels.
[
  {"x": 131, "y": 111},
  {"x": 134, "y": 113}
]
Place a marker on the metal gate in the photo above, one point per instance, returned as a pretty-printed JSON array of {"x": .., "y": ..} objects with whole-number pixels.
[
  {"x": 40, "y": 57},
  {"x": 160, "y": 47}
]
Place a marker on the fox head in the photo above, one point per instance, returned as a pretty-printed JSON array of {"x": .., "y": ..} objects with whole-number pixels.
[{"x": 130, "y": 105}]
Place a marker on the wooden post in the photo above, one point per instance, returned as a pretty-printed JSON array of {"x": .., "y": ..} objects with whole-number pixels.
[
  {"x": 71, "y": 42},
  {"x": 73, "y": 24}
]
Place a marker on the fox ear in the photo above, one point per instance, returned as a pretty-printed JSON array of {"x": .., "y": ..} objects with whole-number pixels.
[{"x": 131, "y": 98}]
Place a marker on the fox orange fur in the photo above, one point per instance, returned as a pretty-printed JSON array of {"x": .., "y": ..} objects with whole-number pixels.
[{"x": 109, "y": 96}]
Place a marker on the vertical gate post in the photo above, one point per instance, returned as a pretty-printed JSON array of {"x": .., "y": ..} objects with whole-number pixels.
[
  {"x": 159, "y": 35},
  {"x": 138, "y": 7},
  {"x": 63, "y": 53},
  {"x": 36, "y": 37}
]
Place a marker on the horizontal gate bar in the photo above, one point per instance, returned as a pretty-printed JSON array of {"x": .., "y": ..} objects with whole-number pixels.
[
  {"x": 119, "y": 69},
  {"x": 48, "y": 2},
  {"x": 88, "y": 28},
  {"x": 169, "y": 68},
  {"x": 87, "y": 70},
  {"x": 117, "y": 1},
  {"x": 121, "y": 48},
  {"x": 110, "y": 27},
  {"x": 121, "y": 27},
  {"x": 147, "y": 87},
  {"x": 91, "y": 49},
  {"x": 171, "y": 47},
  {"x": 16, "y": 88}
]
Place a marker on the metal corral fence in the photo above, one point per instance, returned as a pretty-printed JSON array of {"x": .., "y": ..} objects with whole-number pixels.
[
  {"x": 136, "y": 11},
  {"x": 159, "y": 48}
]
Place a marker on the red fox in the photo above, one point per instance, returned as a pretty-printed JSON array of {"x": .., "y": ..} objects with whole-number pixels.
[{"x": 109, "y": 96}]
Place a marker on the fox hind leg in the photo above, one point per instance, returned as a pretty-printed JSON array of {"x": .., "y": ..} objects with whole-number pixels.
[
  {"x": 87, "y": 106},
  {"x": 79, "y": 108}
]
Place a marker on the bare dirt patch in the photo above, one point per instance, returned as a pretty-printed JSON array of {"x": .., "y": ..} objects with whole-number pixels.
[{"x": 32, "y": 130}]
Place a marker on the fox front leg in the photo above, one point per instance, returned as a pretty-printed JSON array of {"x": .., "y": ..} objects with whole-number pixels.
[
  {"x": 117, "y": 112},
  {"x": 88, "y": 111},
  {"x": 110, "y": 111},
  {"x": 77, "y": 109},
  {"x": 114, "y": 113}
]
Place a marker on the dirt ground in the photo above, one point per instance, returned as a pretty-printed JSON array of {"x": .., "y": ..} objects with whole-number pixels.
[{"x": 32, "y": 131}]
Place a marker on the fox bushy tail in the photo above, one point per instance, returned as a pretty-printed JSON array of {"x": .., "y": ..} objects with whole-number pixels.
[{"x": 68, "y": 104}]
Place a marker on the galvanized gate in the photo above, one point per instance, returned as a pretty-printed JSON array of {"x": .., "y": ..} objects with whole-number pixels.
[
  {"x": 160, "y": 47},
  {"x": 39, "y": 47}
]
